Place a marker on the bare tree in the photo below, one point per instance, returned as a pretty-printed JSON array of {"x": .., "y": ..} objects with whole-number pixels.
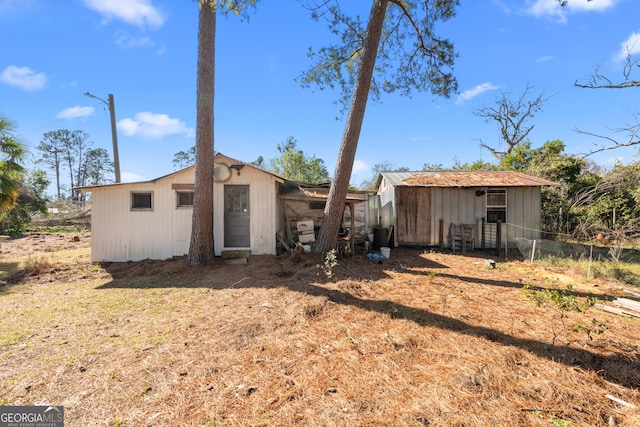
[
  {"x": 512, "y": 118},
  {"x": 610, "y": 142},
  {"x": 599, "y": 81}
]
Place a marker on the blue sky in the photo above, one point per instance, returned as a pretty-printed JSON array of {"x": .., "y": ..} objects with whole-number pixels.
[{"x": 144, "y": 53}]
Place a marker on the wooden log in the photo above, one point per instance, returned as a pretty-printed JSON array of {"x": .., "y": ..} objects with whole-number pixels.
[
  {"x": 632, "y": 293},
  {"x": 617, "y": 311},
  {"x": 280, "y": 238},
  {"x": 628, "y": 304}
]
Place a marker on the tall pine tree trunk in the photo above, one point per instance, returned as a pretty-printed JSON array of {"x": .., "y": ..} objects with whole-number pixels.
[
  {"x": 333, "y": 211},
  {"x": 201, "y": 248},
  {"x": 57, "y": 165}
]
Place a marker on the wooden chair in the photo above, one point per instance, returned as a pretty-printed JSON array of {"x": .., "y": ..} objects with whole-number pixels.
[{"x": 461, "y": 237}]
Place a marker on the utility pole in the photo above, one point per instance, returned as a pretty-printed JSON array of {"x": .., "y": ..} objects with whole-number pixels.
[{"x": 114, "y": 134}]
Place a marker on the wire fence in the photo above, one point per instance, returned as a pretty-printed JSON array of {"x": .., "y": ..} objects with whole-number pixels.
[
  {"x": 559, "y": 246},
  {"x": 533, "y": 249}
]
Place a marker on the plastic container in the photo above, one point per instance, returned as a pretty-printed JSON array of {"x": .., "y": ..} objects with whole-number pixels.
[{"x": 385, "y": 251}]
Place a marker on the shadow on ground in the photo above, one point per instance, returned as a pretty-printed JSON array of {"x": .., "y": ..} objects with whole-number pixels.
[{"x": 622, "y": 368}]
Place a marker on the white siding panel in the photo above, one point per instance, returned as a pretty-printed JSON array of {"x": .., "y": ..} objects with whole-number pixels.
[
  {"x": 523, "y": 213},
  {"x": 262, "y": 211},
  {"x": 119, "y": 234},
  {"x": 456, "y": 206},
  {"x": 387, "y": 211}
]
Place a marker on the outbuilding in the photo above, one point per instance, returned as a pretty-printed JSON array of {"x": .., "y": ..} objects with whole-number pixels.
[{"x": 460, "y": 210}]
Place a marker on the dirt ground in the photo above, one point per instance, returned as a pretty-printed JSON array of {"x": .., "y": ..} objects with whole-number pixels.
[{"x": 423, "y": 338}]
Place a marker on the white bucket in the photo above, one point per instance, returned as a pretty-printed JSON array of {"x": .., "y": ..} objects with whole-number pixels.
[{"x": 385, "y": 251}]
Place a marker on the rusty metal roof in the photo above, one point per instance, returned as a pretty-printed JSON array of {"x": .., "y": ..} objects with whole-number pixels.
[{"x": 465, "y": 179}]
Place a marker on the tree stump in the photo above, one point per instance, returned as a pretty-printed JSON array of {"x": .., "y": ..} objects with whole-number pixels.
[{"x": 296, "y": 254}]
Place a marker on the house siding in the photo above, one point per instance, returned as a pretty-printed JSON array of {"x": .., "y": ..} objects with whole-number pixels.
[
  {"x": 262, "y": 214},
  {"x": 523, "y": 213},
  {"x": 120, "y": 234},
  {"x": 455, "y": 206},
  {"x": 461, "y": 205}
]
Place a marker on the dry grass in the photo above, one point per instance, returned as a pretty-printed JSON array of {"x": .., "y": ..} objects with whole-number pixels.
[{"x": 424, "y": 338}]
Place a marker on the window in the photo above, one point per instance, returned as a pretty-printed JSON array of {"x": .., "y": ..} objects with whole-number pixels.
[
  {"x": 184, "y": 198},
  {"x": 496, "y": 205},
  {"x": 142, "y": 201}
]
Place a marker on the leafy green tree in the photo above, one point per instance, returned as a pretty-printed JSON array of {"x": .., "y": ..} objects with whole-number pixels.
[
  {"x": 396, "y": 51},
  {"x": 97, "y": 167},
  {"x": 31, "y": 200},
  {"x": 478, "y": 165},
  {"x": 433, "y": 167},
  {"x": 259, "y": 162},
  {"x": 11, "y": 170},
  {"x": 182, "y": 159},
  {"x": 295, "y": 165},
  {"x": 611, "y": 206},
  {"x": 65, "y": 149},
  {"x": 572, "y": 173},
  {"x": 51, "y": 154}
]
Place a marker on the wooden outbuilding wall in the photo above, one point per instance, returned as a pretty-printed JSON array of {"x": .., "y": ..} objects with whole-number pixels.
[{"x": 416, "y": 213}]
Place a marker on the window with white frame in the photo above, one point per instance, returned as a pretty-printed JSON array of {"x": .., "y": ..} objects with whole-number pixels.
[
  {"x": 142, "y": 200},
  {"x": 184, "y": 199},
  {"x": 496, "y": 205}
]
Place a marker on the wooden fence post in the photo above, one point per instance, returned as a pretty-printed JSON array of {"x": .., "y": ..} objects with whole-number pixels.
[{"x": 498, "y": 237}]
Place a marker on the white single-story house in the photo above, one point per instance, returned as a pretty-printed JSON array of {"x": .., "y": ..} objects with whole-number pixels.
[
  {"x": 152, "y": 219},
  {"x": 422, "y": 208}
]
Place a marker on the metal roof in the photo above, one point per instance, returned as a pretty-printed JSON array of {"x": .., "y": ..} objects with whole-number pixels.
[{"x": 465, "y": 179}]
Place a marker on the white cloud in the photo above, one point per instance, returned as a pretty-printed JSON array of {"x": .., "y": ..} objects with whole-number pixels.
[
  {"x": 630, "y": 46},
  {"x": 74, "y": 112},
  {"x": 593, "y": 5},
  {"x": 126, "y": 41},
  {"x": 553, "y": 9},
  {"x": 549, "y": 8},
  {"x": 153, "y": 126},
  {"x": 23, "y": 78},
  {"x": 130, "y": 42},
  {"x": 472, "y": 93},
  {"x": 544, "y": 58},
  {"x": 140, "y": 13}
]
